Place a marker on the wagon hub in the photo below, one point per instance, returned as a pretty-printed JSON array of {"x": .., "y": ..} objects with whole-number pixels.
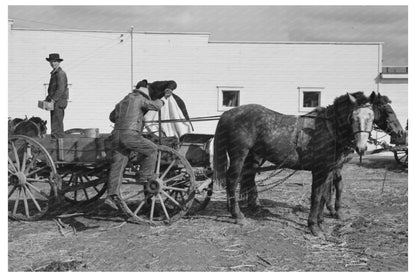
[
  {"x": 154, "y": 186},
  {"x": 18, "y": 179}
]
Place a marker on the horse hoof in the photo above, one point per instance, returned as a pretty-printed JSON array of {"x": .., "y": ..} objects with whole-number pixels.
[
  {"x": 339, "y": 215},
  {"x": 316, "y": 231},
  {"x": 241, "y": 221}
]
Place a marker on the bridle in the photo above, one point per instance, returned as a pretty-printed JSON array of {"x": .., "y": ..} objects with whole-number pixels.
[{"x": 354, "y": 129}]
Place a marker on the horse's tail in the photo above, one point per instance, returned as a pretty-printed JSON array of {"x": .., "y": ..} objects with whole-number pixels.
[{"x": 220, "y": 154}]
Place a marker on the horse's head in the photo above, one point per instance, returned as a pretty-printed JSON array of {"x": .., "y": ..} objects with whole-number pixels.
[
  {"x": 42, "y": 124},
  {"x": 361, "y": 120},
  {"x": 385, "y": 117}
]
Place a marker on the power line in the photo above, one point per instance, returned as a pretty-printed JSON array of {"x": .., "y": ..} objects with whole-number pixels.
[{"x": 68, "y": 27}]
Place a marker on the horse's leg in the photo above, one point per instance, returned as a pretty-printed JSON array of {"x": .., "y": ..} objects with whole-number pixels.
[
  {"x": 248, "y": 185},
  {"x": 333, "y": 189},
  {"x": 237, "y": 158},
  {"x": 326, "y": 198},
  {"x": 339, "y": 186},
  {"x": 321, "y": 181}
]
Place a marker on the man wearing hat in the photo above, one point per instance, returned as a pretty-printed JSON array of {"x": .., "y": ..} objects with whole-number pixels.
[
  {"x": 57, "y": 94},
  {"x": 127, "y": 136}
]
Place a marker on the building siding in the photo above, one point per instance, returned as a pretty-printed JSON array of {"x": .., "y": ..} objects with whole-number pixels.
[
  {"x": 397, "y": 91},
  {"x": 98, "y": 69}
]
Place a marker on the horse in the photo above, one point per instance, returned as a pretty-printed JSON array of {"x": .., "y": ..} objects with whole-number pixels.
[
  {"x": 314, "y": 142},
  {"x": 385, "y": 118},
  {"x": 32, "y": 127}
]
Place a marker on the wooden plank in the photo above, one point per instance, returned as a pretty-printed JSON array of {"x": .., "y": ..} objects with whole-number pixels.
[{"x": 76, "y": 149}]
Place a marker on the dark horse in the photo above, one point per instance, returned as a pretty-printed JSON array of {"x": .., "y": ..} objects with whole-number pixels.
[
  {"x": 385, "y": 118},
  {"x": 32, "y": 127},
  {"x": 315, "y": 142}
]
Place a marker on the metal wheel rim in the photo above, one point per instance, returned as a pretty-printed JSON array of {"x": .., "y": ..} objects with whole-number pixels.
[
  {"x": 172, "y": 199},
  {"x": 32, "y": 179}
]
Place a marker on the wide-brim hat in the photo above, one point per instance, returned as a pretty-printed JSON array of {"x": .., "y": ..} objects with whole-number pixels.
[{"x": 54, "y": 57}]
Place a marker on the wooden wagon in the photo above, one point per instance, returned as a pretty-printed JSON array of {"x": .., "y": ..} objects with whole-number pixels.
[{"x": 42, "y": 172}]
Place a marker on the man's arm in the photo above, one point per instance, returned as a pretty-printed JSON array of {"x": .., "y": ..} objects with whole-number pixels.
[{"x": 153, "y": 105}]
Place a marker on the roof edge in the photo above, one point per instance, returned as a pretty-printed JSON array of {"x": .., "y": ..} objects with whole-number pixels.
[
  {"x": 109, "y": 31},
  {"x": 298, "y": 42},
  {"x": 198, "y": 33}
]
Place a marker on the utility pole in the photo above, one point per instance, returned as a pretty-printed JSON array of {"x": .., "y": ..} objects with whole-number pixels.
[{"x": 131, "y": 54}]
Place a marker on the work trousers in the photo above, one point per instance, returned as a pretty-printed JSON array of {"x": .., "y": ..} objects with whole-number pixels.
[
  {"x": 123, "y": 142},
  {"x": 57, "y": 122}
]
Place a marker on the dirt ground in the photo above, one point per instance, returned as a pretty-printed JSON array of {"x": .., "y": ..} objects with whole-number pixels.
[{"x": 372, "y": 237}]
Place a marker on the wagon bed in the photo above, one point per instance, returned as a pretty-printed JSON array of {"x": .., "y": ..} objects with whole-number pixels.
[{"x": 45, "y": 171}]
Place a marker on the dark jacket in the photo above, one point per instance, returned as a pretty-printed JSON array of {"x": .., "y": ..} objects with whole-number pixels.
[
  {"x": 58, "y": 88},
  {"x": 157, "y": 89},
  {"x": 128, "y": 113}
]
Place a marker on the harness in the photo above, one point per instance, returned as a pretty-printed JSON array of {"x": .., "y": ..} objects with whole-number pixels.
[{"x": 13, "y": 128}]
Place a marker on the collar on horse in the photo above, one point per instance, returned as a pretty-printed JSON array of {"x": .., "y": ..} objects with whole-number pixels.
[{"x": 13, "y": 128}]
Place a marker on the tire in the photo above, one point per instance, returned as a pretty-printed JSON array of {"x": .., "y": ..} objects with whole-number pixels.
[
  {"x": 32, "y": 179},
  {"x": 163, "y": 199}
]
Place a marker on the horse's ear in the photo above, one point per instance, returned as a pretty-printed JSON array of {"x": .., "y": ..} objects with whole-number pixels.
[
  {"x": 352, "y": 98},
  {"x": 373, "y": 97}
]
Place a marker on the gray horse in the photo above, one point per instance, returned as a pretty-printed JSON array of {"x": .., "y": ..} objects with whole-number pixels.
[{"x": 315, "y": 142}]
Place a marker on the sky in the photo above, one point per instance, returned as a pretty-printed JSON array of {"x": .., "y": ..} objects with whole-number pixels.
[{"x": 388, "y": 24}]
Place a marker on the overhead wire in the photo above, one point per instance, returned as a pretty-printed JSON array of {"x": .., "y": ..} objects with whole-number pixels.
[{"x": 68, "y": 27}]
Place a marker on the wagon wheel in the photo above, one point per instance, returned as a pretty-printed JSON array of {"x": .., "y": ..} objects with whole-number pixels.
[
  {"x": 164, "y": 199},
  {"x": 401, "y": 156},
  {"x": 83, "y": 185},
  {"x": 32, "y": 178}
]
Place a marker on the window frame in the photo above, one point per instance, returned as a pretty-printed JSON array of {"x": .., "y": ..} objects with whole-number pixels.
[
  {"x": 220, "y": 98},
  {"x": 301, "y": 93}
]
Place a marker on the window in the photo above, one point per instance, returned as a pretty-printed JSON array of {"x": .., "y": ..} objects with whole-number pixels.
[
  {"x": 309, "y": 98},
  {"x": 228, "y": 98}
]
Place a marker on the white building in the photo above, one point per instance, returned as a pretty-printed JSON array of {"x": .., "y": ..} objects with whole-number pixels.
[{"x": 212, "y": 76}]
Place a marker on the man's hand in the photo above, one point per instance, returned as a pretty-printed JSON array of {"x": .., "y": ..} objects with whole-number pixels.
[{"x": 168, "y": 93}]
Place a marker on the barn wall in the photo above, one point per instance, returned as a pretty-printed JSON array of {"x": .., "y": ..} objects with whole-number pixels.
[{"x": 98, "y": 69}]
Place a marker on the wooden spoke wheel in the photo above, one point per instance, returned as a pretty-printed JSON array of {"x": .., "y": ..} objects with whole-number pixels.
[
  {"x": 164, "y": 199},
  {"x": 32, "y": 178},
  {"x": 83, "y": 185},
  {"x": 401, "y": 156}
]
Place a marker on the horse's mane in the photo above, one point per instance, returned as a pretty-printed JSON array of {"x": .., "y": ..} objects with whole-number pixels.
[
  {"x": 343, "y": 101},
  {"x": 359, "y": 96},
  {"x": 36, "y": 119},
  {"x": 381, "y": 100}
]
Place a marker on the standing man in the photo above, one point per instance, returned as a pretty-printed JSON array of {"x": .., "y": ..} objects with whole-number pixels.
[
  {"x": 58, "y": 95},
  {"x": 127, "y": 136}
]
